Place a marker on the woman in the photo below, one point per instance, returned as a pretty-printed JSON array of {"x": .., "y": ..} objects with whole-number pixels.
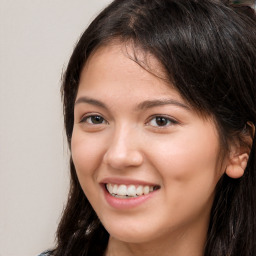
[{"x": 160, "y": 112}]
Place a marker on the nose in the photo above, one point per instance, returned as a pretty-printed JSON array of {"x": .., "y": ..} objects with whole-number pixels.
[{"x": 123, "y": 150}]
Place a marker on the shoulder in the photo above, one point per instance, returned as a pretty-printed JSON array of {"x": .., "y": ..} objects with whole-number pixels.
[{"x": 44, "y": 254}]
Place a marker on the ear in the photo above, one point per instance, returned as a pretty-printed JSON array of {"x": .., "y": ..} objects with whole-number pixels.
[
  {"x": 240, "y": 151},
  {"x": 236, "y": 166}
]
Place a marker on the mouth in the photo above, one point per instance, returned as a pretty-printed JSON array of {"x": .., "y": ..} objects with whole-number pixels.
[{"x": 129, "y": 191}]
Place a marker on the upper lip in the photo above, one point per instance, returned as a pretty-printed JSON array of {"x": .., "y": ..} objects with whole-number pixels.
[{"x": 126, "y": 181}]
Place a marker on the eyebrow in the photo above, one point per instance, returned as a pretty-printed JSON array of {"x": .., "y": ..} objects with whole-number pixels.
[
  {"x": 155, "y": 103},
  {"x": 143, "y": 105},
  {"x": 90, "y": 101}
]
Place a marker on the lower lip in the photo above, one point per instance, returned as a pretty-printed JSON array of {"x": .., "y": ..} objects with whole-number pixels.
[{"x": 126, "y": 203}]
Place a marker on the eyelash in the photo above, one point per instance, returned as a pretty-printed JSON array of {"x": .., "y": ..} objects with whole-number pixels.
[
  {"x": 85, "y": 119},
  {"x": 168, "y": 121}
]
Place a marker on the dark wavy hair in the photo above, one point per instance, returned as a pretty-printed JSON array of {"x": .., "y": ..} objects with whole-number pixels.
[{"x": 208, "y": 51}]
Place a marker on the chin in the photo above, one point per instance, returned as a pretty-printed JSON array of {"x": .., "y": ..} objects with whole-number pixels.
[
  {"x": 131, "y": 233},
  {"x": 131, "y": 238}
]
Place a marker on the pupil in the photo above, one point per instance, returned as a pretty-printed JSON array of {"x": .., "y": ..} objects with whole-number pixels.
[
  {"x": 97, "y": 119},
  {"x": 161, "y": 121}
]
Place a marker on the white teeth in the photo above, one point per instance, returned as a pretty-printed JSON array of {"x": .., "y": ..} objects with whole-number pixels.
[
  {"x": 128, "y": 191},
  {"x": 139, "y": 190},
  {"x": 110, "y": 188},
  {"x": 131, "y": 191},
  {"x": 115, "y": 189},
  {"x": 121, "y": 191},
  {"x": 146, "y": 190}
]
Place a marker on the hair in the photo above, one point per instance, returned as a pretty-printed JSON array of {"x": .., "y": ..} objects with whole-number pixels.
[{"x": 207, "y": 49}]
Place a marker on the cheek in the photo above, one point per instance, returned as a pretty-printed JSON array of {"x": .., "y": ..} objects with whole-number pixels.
[
  {"x": 186, "y": 155},
  {"x": 189, "y": 166},
  {"x": 86, "y": 154}
]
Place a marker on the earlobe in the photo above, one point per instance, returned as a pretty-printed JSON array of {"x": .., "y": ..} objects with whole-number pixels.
[
  {"x": 236, "y": 167},
  {"x": 240, "y": 151}
]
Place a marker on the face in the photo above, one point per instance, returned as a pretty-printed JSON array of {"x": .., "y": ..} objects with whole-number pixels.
[{"x": 147, "y": 162}]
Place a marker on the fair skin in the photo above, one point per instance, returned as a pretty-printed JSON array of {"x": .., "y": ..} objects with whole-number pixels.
[{"x": 132, "y": 128}]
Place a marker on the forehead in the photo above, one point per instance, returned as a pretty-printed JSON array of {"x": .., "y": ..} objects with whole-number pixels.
[{"x": 125, "y": 66}]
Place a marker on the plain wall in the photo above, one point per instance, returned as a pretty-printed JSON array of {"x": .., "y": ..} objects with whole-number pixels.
[{"x": 36, "y": 40}]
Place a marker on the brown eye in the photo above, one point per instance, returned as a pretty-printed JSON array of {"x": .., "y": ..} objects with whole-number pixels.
[
  {"x": 94, "y": 119},
  {"x": 161, "y": 121}
]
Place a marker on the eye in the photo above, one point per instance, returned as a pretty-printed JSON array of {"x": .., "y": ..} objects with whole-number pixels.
[
  {"x": 93, "y": 119},
  {"x": 161, "y": 121}
]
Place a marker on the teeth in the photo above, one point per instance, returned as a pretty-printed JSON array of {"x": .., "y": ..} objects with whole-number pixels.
[
  {"x": 110, "y": 188},
  {"x": 115, "y": 189},
  {"x": 131, "y": 191},
  {"x": 146, "y": 190},
  {"x": 121, "y": 191},
  {"x": 139, "y": 190},
  {"x": 124, "y": 191}
]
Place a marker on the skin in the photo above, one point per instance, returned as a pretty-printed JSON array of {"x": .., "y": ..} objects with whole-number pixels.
[{"x": 181, "y": 155}]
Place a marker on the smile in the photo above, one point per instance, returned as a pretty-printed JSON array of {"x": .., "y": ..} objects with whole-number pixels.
[{"x": 129, "y": 191}]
